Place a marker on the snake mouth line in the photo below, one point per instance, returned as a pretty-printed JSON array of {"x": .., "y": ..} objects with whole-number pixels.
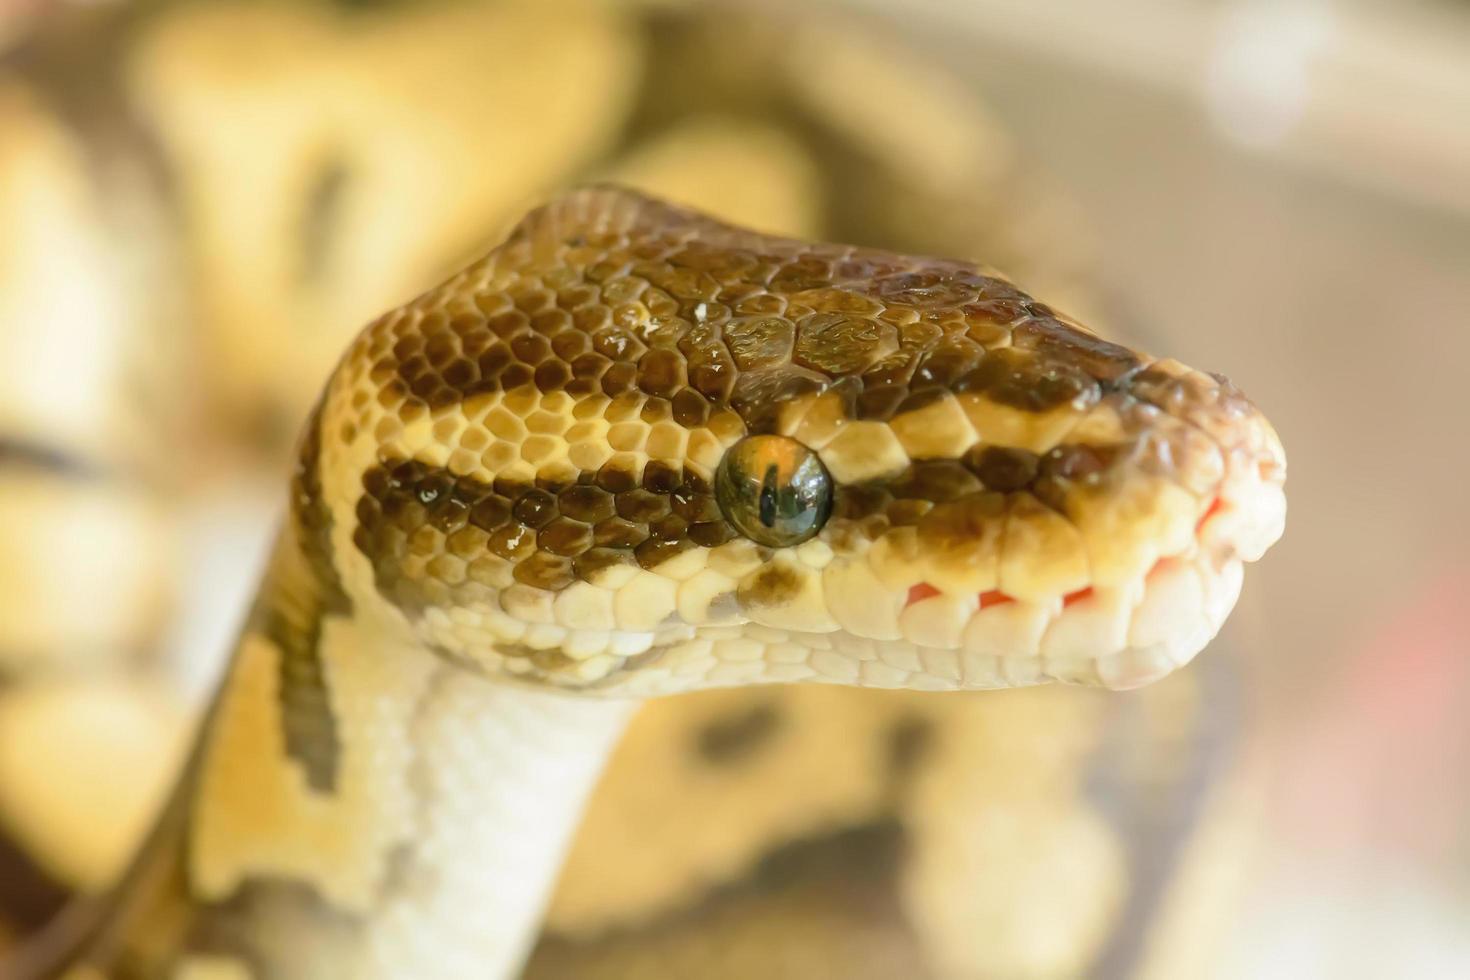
[{"x": 995, "y": 597}]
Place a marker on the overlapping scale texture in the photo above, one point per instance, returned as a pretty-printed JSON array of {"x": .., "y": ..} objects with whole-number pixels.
[
  {"x": 437, "y": 539},
  {"x": 550, "y": 421}
]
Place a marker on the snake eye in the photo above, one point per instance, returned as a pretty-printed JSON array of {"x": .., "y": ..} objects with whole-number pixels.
[{"x": 774, "y": 490}]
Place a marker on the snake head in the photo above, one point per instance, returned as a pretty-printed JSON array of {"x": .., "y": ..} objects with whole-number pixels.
[{"x": 636, "y": 450}]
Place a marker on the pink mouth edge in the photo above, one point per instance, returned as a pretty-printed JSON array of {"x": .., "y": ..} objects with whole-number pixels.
[{"x": 994, "y": 597}]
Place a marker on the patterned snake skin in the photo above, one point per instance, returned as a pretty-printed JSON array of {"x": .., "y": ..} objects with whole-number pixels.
[{"x": 633, "y": 452}]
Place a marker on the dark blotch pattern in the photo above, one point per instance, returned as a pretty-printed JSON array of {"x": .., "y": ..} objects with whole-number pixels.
[
  {"x": 433, "y": 537},
  {"x": 773, "y": 585},
  {"x": 908, "y": 741},
  {"x": 731, "y": 318},
  {"x": 23, "y": 454},
  {"x": 730, "y": 739},
  {"x": 984, "y": 471},
  {"x": 293, "y": 623}
]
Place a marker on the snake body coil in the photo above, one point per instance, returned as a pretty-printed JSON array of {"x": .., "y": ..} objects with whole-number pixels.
[{"x": 635, "y": 451}]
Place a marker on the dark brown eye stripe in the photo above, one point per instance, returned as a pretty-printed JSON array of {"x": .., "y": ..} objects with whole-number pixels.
[
  {"x": 432, "y": 536},
  {"x": 1051, "y": 477},
  {"x": 1003, "y": 469},
  {"x": 1101, "y": 359}
]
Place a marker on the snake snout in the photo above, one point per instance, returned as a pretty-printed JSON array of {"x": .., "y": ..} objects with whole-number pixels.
[{"x": 1099, "y": 541}]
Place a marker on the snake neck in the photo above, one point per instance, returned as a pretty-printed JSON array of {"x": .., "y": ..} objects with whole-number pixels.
[{"x": 356, "y": 807}]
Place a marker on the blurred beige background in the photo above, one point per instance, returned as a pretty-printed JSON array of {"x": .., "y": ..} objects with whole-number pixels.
[{"x": 1276, "y": 190}]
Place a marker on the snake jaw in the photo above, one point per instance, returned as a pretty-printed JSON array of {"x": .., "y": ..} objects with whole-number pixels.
[{"x": 523, "y": 465}]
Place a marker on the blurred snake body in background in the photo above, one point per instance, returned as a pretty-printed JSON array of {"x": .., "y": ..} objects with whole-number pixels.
[
  {"x": 163, "y": 335},
  {"x": 634, "y": 452}
]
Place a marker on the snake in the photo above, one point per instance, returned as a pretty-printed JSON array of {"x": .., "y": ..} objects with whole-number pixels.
[{"x": 636, "y": 451}]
